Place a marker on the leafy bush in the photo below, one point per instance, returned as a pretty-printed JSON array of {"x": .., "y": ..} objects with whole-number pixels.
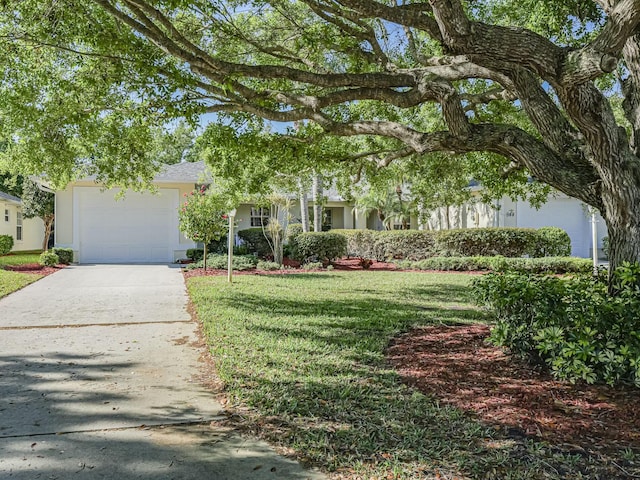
[
  {"x": 64, "y": 254},
  {"x": 265, "y": 265},
  {"x": 6, "y": 244},
  {"x": 312, "y": 266},
  {"x": 571, "y": 325},
  {"x": 49, "y": 259},
  {"x": 255, "y": 240},
  {"x": 360, "y": 243},
  {"x": 217, "y": 261},
  {"x": 552, "y": 242},
  {"x": 406, "y": 244},
  {"x": 322, "y": 246},
  {"x": 507, "y": 242},
  {"x": 293, "y": 230},
  {"x": 501, "y": 264},
  {"x": 195, "y": 254}
]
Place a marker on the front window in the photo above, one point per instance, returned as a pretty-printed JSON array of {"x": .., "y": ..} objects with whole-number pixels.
[
  {"x": 6, "y": 214},
  {"x": 259, "y": 216},
  {"x": 19, "y": 226}
]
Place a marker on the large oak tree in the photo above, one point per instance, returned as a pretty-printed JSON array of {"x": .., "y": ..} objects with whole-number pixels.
[{"x": 552, "y": 88}]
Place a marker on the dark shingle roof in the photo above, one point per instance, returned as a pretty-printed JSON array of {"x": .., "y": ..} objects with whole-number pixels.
[
  {"x": 11, "y": 198},
  {"x": 186, "y": 172}
]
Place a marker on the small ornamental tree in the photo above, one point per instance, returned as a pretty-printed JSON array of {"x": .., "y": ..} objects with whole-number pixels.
[
  {"x": 203, "y": 217},
  {"x": 41, "y": 204}
]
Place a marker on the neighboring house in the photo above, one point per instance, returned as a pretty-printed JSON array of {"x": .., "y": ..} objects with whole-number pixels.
[
  {"x": 27, "y": 233},
  {"x": 562, "y": 211}
]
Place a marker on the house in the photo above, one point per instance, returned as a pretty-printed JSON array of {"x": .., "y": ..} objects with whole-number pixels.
[
  {"x": 103, "y": 227},
  {"x": 27, "y": 233}
]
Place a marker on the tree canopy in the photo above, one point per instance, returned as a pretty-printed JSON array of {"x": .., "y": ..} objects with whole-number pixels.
[{"x": 548, "y": 90}]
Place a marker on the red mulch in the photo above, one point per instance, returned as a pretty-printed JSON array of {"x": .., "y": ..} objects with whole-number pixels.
[
  {"x": 456, "y": 365},
  {"x": 34, "y": 268}
]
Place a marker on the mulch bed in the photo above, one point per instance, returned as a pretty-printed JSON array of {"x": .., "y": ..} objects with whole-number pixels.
[
  {"x": 457, "y": 366},
  {"x": 34, "y": 268}
]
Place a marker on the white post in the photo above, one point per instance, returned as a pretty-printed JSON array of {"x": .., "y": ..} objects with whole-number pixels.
[
  {"x": 594, "y": 241},
  {"x": 232, "y": 215}
]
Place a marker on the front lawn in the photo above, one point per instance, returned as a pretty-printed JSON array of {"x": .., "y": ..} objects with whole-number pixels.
[
  {"x": 19, "y": 258},
  {"x": 302, "y": 358},
  {"x": 12, "y": 281}
]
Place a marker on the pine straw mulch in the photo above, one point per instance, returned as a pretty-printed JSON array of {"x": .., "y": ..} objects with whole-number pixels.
[
  {"x": 456, "y": 365},
  {"x": 35, "y": 268}
]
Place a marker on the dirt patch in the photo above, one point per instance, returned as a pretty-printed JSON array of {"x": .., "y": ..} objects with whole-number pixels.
[
  {"x": 35, "y": 268},
  {"x": 457, "y": 366}
]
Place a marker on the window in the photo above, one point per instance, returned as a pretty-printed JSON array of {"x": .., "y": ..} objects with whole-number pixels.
[
  {"x": 6, "y": 214},
  {"x": 259, "y": 216},
  {"x": 19, "y": 226}
]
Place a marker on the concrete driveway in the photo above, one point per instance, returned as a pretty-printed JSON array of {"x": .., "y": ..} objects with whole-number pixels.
[{"x": 99, "y": 369}]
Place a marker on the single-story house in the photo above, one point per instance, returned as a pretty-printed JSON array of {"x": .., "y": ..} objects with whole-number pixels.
[
  {"x": 27, "y": 233},
  {"x": 100, "y": 227}
]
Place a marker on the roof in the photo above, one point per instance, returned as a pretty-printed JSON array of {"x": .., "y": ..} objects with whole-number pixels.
[
  {"x": 9, "y": 198},
  {"x": 185, "y": 172}
]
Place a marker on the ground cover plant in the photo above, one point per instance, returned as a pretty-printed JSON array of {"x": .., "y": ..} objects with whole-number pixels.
[{"x": 312, "y": 377}]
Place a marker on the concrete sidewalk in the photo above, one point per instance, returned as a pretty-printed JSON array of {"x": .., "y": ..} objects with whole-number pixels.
[{"x": 98, "y": 380}]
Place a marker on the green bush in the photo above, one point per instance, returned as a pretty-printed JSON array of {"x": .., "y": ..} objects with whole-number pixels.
[
  {"x": 469, "y": 242},
  {"x": 312, "y": 266},
  {"x": 49, "y": 259},
  {"x": 552, "y": 242},
  {"x": 195, "y": 254},
  {"x": 255, "y": 240},
  {"x": 269, "y": 266},
  {"x": 571, "y": 325},
  {"x": 360, "y": 243},
  {"x": 64, "y": 254},
  {"x": 6, "y": 244},
  {"x": 216, "y": 261},
  {"x": 293, "y": 230},
  {"x": 320, "y": 246},
  {"x": 556, "y": 265}
]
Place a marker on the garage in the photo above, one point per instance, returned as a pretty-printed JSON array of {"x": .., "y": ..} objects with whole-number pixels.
[{"x": 139, "y": 228}]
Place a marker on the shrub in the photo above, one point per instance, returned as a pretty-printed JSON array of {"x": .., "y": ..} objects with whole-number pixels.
[
  {"x": 49, "y": 259},
  {"x": 507, "y": 242},
  {"x": 312, "y": 266},
  {"x": 195, "y": 254},
  {"x": 406, "y": 244},
  {"x": 552, "y": 242},
  {"x": 557, "y": 265},
  {"x": 217, "y": 261},
  {"x": 322, "y": 246},
  {"x": 293, "y": 230},
  {"x": 571, "y": 325},
  {"x": 265, "y": 265},
  {"x": 255, "y": 240},
  {"x": 64, "y": 254},
  {"x": 6, "y": 244}
]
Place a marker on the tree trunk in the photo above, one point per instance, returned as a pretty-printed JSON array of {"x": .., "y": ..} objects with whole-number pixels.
[
  {"x": 304, "y": 207},
  {"x": 317, "y": 202},
  {"x": 204, "y": 259},
  {"x": 446, "y": 217},
  {"x": 48, "y": 223}
]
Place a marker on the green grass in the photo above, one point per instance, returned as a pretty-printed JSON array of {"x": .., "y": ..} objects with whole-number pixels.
[
  {"x": 302, "y": 360},
  {"x": 19, "y": 258},
  {"x": 12, "y": 281}
]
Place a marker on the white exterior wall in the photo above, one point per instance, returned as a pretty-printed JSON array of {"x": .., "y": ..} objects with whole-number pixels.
[{"x": 32, "y": 228}]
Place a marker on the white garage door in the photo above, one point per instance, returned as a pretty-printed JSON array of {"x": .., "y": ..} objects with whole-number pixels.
[{"x": 139, "y": 228}]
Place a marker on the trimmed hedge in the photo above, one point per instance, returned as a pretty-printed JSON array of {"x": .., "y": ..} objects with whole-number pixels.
[
  {"x": 255, "y": 239},
  {"x": 421, "y": 244},
  {"x": 49, "y": 259},
  {"x": 319, "y": 246},
  {"x": 501, "y": 264},
  {"x": 293, "y": 230},
  {"x": 216, "y": 261},
  {"x": 6, "y": 244},
  {"x": 64, "y": 254}
]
